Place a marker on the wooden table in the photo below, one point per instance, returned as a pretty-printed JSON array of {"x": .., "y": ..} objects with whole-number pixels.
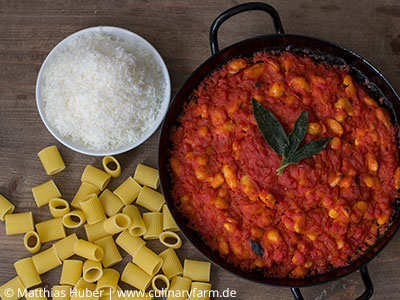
[{"x": 179, "y": 30}]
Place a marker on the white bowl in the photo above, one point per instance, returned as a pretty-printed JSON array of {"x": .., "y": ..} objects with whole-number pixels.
[{"x": 130, "y": 37}]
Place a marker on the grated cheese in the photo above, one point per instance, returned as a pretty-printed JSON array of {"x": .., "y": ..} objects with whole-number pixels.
[{"x": 101, "y": 91}]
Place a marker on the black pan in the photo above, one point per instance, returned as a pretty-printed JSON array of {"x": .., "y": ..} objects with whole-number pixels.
[{"x": 360, "y": 69}]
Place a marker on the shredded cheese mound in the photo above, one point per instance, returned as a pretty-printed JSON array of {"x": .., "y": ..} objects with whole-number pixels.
[{"x": 102, "y": 92}]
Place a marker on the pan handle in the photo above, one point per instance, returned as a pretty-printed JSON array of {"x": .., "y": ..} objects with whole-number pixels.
[
  {"x": 369, "y": 288},
  {"x": 236, "y": 10}
]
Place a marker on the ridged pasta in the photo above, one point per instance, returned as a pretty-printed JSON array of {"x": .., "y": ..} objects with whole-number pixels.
[
  {"x": 62, "y": 292},
  {"x": 112, "y": 172},
  {"x": 88, "y": 250},
  {"x": 14, "y": 285},
  {"x": 84, "y": 294},
  {"x": 169, "y": 223},
  {"x": 136, "y": 277},
  {"x": 58, "y": 207},
  {"x": 50, "y": 230},
  {"x": 171, "y": 266},
  {"x": 45, "y": 192},
  {"x": 36, "y": 294},
  {"x": 147, "y": 176},
  {"x": 92, "y": 270},
  {"x": 32, "y": 241},
  {"x": 107, "y": 285},
  {"x": 51, "y": 160},
  {"x": 27, "y": 272},
  {"x": 71, "y": 271},
  {"x": 46, "y": 260},
  {"x": 65, "y": 247},
  {"x": 137, "y": 227},
  {"x": 128, "y": 190},
  {"x": 150, "y": 199},
  {"x": 96, "y": 177},
  {"x": 148, "y": 261},
  {"x": 118, "y": 295},
  {"x": 19, "y": 223},
  {"x": 137, "y": 296},
  {"x": 131, "y": 244},
  {"x": 117, "y": 223},
  {"x": 163, "y": 278},
  {"x": 200, "y": 291},
  {"x": 180, "y": 288},
  {"x": 6, "y": 207},
  {"x": 83, "y": 284},
  {"x": 95, "y": 231},
  {"x": 111, "y": 252},
  {"x": 153, "y": 223},
  {"x": 197, "y": 270},
  {"x": 85, "y": 189},
  {"x": 74, "y": 219},
  {"x": 110, "y": 203},
  {"x": 171, "y": 235},
  {"x": 92, "y": 209}
]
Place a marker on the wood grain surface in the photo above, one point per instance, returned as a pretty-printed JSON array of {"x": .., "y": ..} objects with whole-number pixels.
[{"x": 179, "y": 30}]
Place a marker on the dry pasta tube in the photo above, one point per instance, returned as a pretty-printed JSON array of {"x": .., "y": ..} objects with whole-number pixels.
[
  {"x": 74, "y": 219},
  {"x": 136, "y": 296},
  {"x": 110, "y": 203},
  {"x": 200, "y": 291},
  {"x": 88, "y": 250},
  {"x": 32, "y": 241},
  {"x": 95, "y": 231},
  {"x": 71, "y": 271},
  {"x": 150, "y": 199},
  {"x": 113, "y": 171},
  {"x": 137, "y": 227},
  {"x": 131, "y": 244},
  {"x": 51, "y": 160},
  {"x": 92, "y": 270},
  {"x": 171, "y": 266},
  {"x": 128, "y": 191},
  {"x": 96, "y": 177},
  {"x": 107, "y": 284},
  {"x": 147, "y": 176},
  {"x": 136, "y": 277},
  {"x": 19, "y": 223},
  {"x": 46, "y": 260},
  {"x": 155, "y": 283},
  {"x": 50, "y": 230},
  {"x": 85, "y": 189},
  {"x": 58, "y": 207},
  {"x": 168, "y": 221},
  {"x": 92, "y": 209},
  {"x": 153, "y": 223},
  {"x": 118, "y": 295},
  {"x": 111, "y": 252},
  {"x": 62, "y": 292},
  {"x": 117, "y": 223},
  {"x": 15, "y": 286},
  {"x": 180, "y": 288},
  {"x": 65, "y": 247},
  {"x": 170, "y": 239},
  {"x": 197, "y": 270},
  {"x": 84, "y": 294},
  {"x": 27, "y": 272},
  {"x": 83, "y": 284},
  {"x": 45, "y": 192},
  {"x": 148, "y": 261},
  {"x": 6, "y": 208},
  {"x": 36, "y": 294}
]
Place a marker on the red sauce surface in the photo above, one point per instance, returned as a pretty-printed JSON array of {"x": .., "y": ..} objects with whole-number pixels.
[{"x": 321, "y": 213}]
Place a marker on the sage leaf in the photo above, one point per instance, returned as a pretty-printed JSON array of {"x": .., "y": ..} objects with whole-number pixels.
[
  {"x": 270, "y": 128},
  {"x": 256, "y": 247},
  {"x": 308, "y": 150},
  {"x": 298, "y": 133}
]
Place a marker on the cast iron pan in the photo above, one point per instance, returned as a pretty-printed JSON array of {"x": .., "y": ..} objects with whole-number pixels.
[{"x": 360, "y": 69}]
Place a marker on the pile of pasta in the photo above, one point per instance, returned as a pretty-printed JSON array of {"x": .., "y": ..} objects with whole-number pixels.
[{"x": 103, "y": 213}]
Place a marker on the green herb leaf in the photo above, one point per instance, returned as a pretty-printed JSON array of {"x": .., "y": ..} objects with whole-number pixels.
[
  {"x": 298, "y": 134},
  {"x": 270, "y": 128},
  {"x": 308, "y": 150}
]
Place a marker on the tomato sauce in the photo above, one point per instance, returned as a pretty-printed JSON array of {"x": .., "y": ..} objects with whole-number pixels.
[{"x": 321, "y": 213}]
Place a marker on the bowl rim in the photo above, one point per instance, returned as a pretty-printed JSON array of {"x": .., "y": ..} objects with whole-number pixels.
[{"x": 164, "y": 103}]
